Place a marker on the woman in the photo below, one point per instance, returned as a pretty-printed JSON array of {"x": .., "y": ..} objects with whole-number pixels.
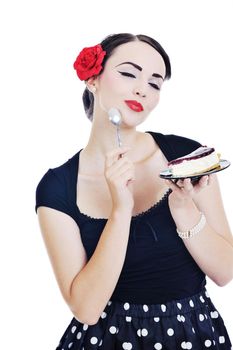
[{"x": 110, "y": 223}]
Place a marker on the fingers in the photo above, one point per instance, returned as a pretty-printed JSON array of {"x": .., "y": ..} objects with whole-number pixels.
[
  {"x": 202, "y": 183},
  {"x": 120, "y": 167},
  {"x": 114, "y": 155},
  {"x": 186, "y": 186},
  {"x": 181, "y": 186},
  {"x": 117, "y": 168}
]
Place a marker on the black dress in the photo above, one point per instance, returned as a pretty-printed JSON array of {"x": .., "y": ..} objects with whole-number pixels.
[{"x": 160, "y": 300}]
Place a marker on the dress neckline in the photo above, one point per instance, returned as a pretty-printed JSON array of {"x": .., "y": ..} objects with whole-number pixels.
[{"x": 164, "y": 150}]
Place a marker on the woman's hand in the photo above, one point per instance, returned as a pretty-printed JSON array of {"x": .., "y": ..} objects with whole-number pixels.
[
  {"x": 119, "y": 174},
  {"x": 181, "y": 204},
  {"x": 183, "y": 191}
]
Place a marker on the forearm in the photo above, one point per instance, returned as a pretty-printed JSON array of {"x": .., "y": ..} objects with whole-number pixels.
[
  {"x": 94, "y": 285},
  {"x": 212, "y": 252}
]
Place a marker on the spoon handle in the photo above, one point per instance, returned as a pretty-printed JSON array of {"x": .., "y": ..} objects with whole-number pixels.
[{"x": 118, "y": 137}]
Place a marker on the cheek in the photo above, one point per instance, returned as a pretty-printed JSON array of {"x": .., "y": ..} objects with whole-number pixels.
[
  {"x": 109, "y": 83},
  {"x": 108, "y": 90},
  {"x": 154, "y": 101}
]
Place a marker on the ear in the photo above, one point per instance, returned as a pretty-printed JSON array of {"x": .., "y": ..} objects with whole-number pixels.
[{"x": 91, "y": 84}]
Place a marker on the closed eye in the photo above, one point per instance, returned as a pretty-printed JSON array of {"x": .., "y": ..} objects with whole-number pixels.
[
  {"x": 155, "y": 86},
  {"x": 126, "y": 74}
]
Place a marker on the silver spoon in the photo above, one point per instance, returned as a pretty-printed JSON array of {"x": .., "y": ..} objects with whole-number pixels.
[{"x": 115, "y": 118}]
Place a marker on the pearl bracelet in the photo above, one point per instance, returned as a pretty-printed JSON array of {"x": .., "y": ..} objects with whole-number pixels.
[{"x": 193, "y": 231}]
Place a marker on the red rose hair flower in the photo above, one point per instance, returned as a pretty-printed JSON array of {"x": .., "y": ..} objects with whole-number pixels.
[{"x": 88, "y": 62}]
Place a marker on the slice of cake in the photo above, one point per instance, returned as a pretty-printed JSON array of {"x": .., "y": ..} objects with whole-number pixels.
[{"x": 202, "y": 159}]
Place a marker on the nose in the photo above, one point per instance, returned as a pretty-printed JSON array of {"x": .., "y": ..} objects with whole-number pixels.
[{"x": 139, "y": 92}]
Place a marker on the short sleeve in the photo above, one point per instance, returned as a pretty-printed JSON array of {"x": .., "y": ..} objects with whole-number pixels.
[
  {"x": 175, "y": 146},
  {"x": 52, "y": 192},
  {"x": 182, "y": 145}
]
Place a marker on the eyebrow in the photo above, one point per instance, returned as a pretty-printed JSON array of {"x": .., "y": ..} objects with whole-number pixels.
[{"x": 156, "y": 75}]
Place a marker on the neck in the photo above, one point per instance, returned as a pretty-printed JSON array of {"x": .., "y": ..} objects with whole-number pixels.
[{"x": 103, "y": 139}]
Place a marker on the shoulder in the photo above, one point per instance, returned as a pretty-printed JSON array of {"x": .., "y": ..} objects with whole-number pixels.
[
  {"x": 54, "y": 176},
  {"x": 59, "y": 173},
  {"x": 176, "y": 145},
  {"x": 182, "y": 144},
  {"x": 52, "y": 189}
]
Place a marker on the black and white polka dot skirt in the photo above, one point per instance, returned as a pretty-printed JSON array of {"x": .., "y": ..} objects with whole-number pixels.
[{"x": 190, "y": 323}]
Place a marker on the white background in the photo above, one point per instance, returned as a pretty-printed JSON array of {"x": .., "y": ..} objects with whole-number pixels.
[{"x": 43, "y": 124}]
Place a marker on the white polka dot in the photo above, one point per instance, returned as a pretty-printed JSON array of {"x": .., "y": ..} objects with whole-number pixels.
[
  {"x": 163, "y": 307},
  {"x": 128, "y": 318},
  {"x": 156, "y": 319},
  {"x": 208, "y": 343},
  {"x": 201, "y": 317},
  {"x": 101, "y": 342},
  {"x": 144, "y": 332},
  {"x": 186, "y": 345},
  {"x": 214, "y": 314},
  {"x": 214, "y": 342},
  {"x": 207, "y": 294},
  {"x": 158, "y": 346},
  {"x": 170, "y": 331},
  {"x": 85, "y": 326},
  {"x": 191, "y": 303},
  {"x": 189, "y": 345},
  {"x": 127, "y": 346},
  {"x": 70, "y": 345},
  {"x": 202, "y": 299},
  {"x": 126, "y": 306},
  {"x": 112, "y": 330},
  {"x": 94, "y": 340},
  {"x": 103, "y": 315},
  {"x": 79, "y": 335},
  {"x": 179, "y": 305},
  {"x": 109, "y": 303},
  {"x": 145, "y": 308},
  {"x": 180, "y": 318},
  {"x": 73, "y": 329},
  {"x": 213, "y": 329},
  {"x": 193, "y": 330},
  {"x": 221, "y": 339}
]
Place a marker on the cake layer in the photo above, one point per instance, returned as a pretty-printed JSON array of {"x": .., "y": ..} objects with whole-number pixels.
[
  {"x": 201, "y": 160},
  {"x": 198, "y": 153}
]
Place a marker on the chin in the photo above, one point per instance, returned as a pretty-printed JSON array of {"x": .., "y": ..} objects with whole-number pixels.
[{"x": 129, "y": 123}]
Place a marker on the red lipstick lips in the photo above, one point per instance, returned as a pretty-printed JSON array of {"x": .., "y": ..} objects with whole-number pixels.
[{"x": 134, "y": 105}]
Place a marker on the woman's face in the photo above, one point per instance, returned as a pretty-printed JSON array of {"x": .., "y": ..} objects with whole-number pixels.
[{"x": 131, "y": 81}]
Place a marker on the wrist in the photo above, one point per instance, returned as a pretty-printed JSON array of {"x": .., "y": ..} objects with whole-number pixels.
[
  {"x": 186, "y": 217},
  {"x": 180, "y": 204},
  {"x": 194, "y": 230},
  {"x": 121, "y": 213}
]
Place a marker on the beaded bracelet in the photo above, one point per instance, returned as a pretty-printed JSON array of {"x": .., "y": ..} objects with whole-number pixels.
[{"x": 193, "y": 231}]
